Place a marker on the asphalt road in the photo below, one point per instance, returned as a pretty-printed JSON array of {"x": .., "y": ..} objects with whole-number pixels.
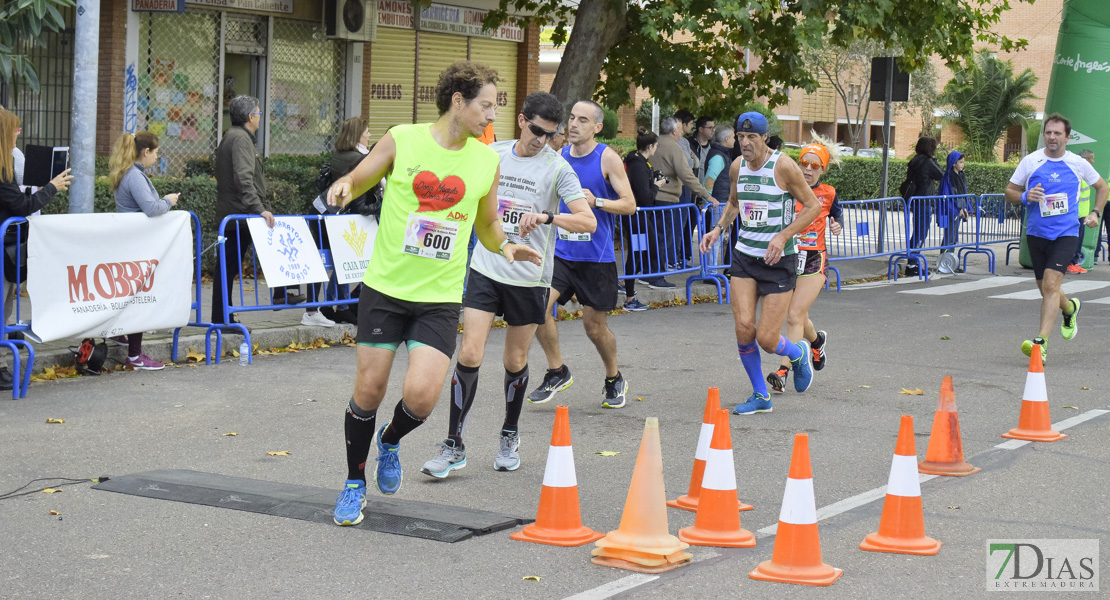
[{"x": 881, "y": 340}]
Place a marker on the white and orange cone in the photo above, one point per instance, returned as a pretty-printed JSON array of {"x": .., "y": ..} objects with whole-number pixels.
[
  {"x": 902, "y": 526},
  {"x": 797, "y": 554},
  {"x": 945, "y": 454},
  {"x": 1035, "y": 423},
  {"x": 559, "y": 517},
  {"x": 718, "y": 520},
  {"x": 689, "y": 500}
]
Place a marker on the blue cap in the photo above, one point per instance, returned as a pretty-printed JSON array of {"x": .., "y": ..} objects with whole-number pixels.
[{"x": 751, "y": 122}]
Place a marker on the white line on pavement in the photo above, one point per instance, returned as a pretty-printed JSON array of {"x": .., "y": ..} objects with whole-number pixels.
[
  {"x": 623, "y": 584},
  {"x": 968, "y": 286},
  {"x": 1070, "y": 287}
]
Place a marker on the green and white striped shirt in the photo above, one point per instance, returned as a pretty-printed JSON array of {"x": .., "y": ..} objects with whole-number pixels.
[{"x": 765, "y": 208}]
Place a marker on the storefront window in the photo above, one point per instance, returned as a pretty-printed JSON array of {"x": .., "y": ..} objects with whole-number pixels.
[{"x": 307, "y": 88}]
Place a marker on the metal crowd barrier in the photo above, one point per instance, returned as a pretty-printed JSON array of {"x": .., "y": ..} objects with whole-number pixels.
[
  {"x": 658, "y": 241},
  {"x": 999, "y": 222},
  {"x": 197, "y": 304},
  {"x": 334, "y": 295},
  {"x": 21, "y": 376},
  {"x": 872, "y": 229}
]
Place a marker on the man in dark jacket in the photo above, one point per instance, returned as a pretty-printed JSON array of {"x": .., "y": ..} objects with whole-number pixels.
[{"x": 240, "y": 189}]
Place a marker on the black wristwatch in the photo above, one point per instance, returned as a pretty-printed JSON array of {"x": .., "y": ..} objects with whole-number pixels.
[{"x": 550, "y": 217}]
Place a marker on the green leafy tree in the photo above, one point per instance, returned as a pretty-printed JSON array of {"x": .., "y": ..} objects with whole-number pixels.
[
  {"x": 848, "y": 72},
  {"x": 21, "y": 25},
  {"x": 986, "y": 99},
  {"x": 719, "y": 54}
]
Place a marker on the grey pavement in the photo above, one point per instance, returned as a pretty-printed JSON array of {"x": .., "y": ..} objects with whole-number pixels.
[{"x": 106, "y": 545}]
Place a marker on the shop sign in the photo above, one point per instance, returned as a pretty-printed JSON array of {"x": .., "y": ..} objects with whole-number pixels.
[
  {"x": 274, "y": 6},
  {"x": 465, "y": 21},
  {"x": 158, "y": 5},
  {"x": 395, "y": 13}
]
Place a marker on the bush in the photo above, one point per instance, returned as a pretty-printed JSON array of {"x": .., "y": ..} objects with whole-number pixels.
[
  {"x": 610, "y": 124},
  {"x": 643, "y": 114},
  {"x": 622, "y": 146},
  {"x": 858, "y": 178}
]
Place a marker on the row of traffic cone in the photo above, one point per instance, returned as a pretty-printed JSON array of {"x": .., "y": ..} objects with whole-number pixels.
[{"x": 643, "y": 542}]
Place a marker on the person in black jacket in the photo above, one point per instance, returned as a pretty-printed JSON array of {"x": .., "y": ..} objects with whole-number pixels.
[
  {"x": 14, "y": 203},
  {"x": 645, "y": 183},
  {"x": 922, "y": 173}
]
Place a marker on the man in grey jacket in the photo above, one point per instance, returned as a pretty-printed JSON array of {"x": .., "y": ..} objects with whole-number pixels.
[
  {"x": 671, "y": 160},
  {"x": 240, "y": 189}
]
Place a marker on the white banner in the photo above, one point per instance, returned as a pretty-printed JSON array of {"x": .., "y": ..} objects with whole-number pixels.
[
  {"x": 286, "y": 252},
  {"x": 352, "y": 244},
  {"x": 108, "y": 274}
]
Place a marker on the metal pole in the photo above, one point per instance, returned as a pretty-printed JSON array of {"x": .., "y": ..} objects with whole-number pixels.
[
  {"x": 654, "y": 115},
  {"x": 889, "y": 93},
  {"x": 82, "y": 144}
]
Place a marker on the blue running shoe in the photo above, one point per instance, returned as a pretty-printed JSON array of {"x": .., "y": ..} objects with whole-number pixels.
[
  {"x": 388, "y": 474},
  {"x": 803, "y": 368},
  {"x": 758, "y": 403},
  {"x": 349, "y": 504}
]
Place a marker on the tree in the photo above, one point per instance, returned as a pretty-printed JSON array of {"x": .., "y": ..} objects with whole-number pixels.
[
  {"x": 848, "y": 71},
  {"x": 987, "y": 99},
  {"x": 639, "y": 43},
  {"x": 21, "y": 25},
  {"x": 924, "y": 98}
]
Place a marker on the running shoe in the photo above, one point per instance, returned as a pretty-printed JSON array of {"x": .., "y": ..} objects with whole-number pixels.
[
  {"x": 508, "y": 459},
  {"x": 144, "y": 363},
  {"x": 119, "y": 340},
  {"x": 1076, "y": 269},
  {"x": 349, "y": 504},
  {"x": 1070, "y": 326},
  {"x": 659, "y": 283},
  {"x": 615, "y": 392},
  {"x": 803, "y": 368},
  {"x": 635, "y": 305},
  {"x": 1027, "y": 348},
  {"x": 553, "y": 381},
  {"x": 777, "y": 379},
  {"x": 758, "y": 403},
  {"x": 388, "y": 473},
  {"x": 448, "y": 459},
  {"x": 316, "y": 319},
  {"x": 819, "y": 350}
]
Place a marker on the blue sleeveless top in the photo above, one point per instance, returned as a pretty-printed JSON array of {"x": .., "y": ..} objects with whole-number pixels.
[{"x": 599, "y": 248}]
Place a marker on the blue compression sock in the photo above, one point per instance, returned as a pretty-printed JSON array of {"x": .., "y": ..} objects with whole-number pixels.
[
  {"x": 788, "y": 349},
  {"x": 749, "y": 355}
]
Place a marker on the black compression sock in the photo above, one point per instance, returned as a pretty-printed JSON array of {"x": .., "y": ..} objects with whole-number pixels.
[
  {"x": 403, "y": 422},
  {"x": 358, "y": 429},
  {"x": 464, "y": 382},
  {"x": 516, "y": 385}
]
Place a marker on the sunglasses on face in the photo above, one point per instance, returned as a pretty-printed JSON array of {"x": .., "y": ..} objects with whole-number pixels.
[
  {"x": 805, "y": 164},
  {"x": 540, "y": 131}
]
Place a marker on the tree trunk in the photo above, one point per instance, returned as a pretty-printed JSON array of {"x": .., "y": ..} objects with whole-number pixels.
[{"x": 598, "y": 26}]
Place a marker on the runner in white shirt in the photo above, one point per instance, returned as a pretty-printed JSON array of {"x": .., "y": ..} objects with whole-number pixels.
[
  {"x": 533, "y": 180},
  {"x": 1047, "y": 181}
]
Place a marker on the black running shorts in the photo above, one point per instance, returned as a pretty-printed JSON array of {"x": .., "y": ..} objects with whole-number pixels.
[
  {"x": 519, "y": 305},
  {"x": 385, "y": 321},
  {"x": 595, "y": 284},
  {"x": 778, "y": 278},
  {"x": 813, "y": 262},
  {"x": 1050, "y": 254}
]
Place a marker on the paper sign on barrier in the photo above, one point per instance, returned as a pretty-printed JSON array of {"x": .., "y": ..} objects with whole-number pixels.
[
  {"x": 286, "y": 252},
  {"x": 352, "y": 244},
  {"x": 108, "y": 274}
]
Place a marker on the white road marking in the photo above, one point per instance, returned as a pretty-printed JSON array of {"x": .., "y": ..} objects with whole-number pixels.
[
  {"x": 1070, "y": 287},
  {"x": 968, "y": 286},
  {"x": 1105, "y": 300},
  {"x": 626, "y": 583}
]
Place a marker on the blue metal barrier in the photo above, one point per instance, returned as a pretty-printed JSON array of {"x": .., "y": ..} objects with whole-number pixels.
[
  {"x": 21, "y": 376},
  {"x": 872, "y": 229},
  {"x": 999, "y": 222},
  {"x": 196, "y": 306},
  {"x": 334, "y": 295},
  {"x": 719, "y": 257},
  {"x": 643, "y": 247}
]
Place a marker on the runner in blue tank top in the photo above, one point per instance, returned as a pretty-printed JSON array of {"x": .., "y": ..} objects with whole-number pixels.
[
  {"x": 1047, "y": 181},
  {"x": 584, "y": 263}
]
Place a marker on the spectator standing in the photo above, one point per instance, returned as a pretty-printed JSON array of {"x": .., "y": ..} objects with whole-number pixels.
[
  {"x": 922, "y": 171},
  {"x": 642, "y": 177},
  {"x": 14, "y": 203},
  {"x": 700, "y": 143},
  {"x": 673, "y": 163},
  {"x": 952, "y": 211},
  {"x": 131, "y": 156},
  {"x": 558, "y": 140},
  {"x": 1076, "y": 266}
]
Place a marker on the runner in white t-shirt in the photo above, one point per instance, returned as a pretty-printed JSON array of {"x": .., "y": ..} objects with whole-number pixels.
[
  {"x": 1047, "y": 181},
  {"x": 533, "y": 181}
]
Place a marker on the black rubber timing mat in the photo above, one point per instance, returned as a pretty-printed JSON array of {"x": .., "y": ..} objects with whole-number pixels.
[{"x": 403, "y": 517}]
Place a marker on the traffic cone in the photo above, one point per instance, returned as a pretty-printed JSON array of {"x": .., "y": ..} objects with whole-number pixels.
[
  {"x": 1035, "y": 424},
  {"x": 945, "y": 455},
  {"x": 718, "y": 520},
  {"x": 689, "y": 500},
  {"x": 558, "y": 518},
  {"x": 643, "y": 543},
  {"x": 902, "y": 526},
  {"x": 797, "y": 554}
]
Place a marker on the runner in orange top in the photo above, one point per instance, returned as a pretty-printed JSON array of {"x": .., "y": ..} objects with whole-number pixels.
[
  {"x": 488, "y": 136},
  {"x": 812, "y": 262}
]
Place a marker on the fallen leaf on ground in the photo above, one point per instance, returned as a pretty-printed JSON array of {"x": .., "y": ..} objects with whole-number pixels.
[
  {"x": 52, "y": 490},
  {"x": 913, "y": 392},
  {"x": 55, "y": 420},
  {"x": 607, "y": 453},
  {"x": 1084, "y": 388},
  {"x": 946, "y": 315},
  {"x": 280, "y": 453},
  {"x": 944, "y": 337},
  {"x": 1070, "y": 406},
  {"x": 230, "y": 433},
  {"x": 955, "y": 507},
  {"x": 194, "y": 356},
  {"x": 532, "y": 578},
  {"x": 54, "y": 512},
  {"x": 639, "y": 398},
  {"x": 865, "y": 386}
]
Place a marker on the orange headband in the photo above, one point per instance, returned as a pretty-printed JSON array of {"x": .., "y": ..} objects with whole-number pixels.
[{"x": 820, "y": 151}]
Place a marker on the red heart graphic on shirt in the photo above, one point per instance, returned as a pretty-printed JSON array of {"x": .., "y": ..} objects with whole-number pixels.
[{"x": 435, "y": 195}]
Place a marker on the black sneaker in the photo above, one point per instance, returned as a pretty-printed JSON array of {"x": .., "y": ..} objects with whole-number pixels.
[
  {"x": 777, "y": 379},
  {"x": 660, "y": 283},
  {"x": 553, "y": 381},
  {"x": 818, "y": 349},
  {"x": 615, "y": 391}
]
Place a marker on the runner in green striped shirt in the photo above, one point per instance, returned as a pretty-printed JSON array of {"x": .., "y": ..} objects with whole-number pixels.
[{"x": 764, "y": 260}]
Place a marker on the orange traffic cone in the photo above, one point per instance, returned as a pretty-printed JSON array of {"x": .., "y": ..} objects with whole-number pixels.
[
  {"x": 902, "y": 526},
  {"x": 558, "y": 519},
  {"x": 1035, "y": 424},
  {"x": 643, "y": 543},
  {"x": 945, "y": 455},
  {"x": 797, "y": 554},
  {"x": 718, "y": 520},
  {"x": 689, "y": 500}
]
